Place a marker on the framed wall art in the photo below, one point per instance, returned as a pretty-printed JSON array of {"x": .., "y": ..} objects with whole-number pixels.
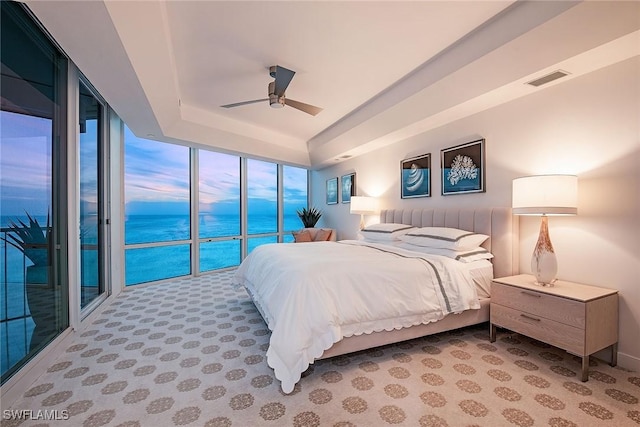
[
  {"x": 332, "y": 191},
  {"x": 415, "y": 177},
  {"x": 348, "y": 187},
  {"x": 463, "y": 168}
]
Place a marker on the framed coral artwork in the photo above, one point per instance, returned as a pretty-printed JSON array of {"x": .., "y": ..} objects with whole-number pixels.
[{"x": 463, "y": 168}]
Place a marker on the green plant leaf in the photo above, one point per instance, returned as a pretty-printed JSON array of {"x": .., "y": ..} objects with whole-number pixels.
[
  {"x": 309, "y": 216},
  {"x": 31, "y": 239}
]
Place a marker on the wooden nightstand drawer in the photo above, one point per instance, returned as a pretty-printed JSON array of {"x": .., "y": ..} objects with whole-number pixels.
[
  {"x": 539, "y": 304},
  {"x": 580, "y": 319},
  {"x": 555, "y": 333}
]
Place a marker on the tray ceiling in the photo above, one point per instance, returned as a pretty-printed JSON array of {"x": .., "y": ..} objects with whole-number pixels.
[{"x": 381, "y": 71}]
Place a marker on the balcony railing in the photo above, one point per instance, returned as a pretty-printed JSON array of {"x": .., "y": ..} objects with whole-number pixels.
[{"x": 16, "y": 324}]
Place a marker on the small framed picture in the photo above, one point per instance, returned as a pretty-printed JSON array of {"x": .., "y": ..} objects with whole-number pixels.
[
  {"x": 463, "y": 169},
  {"x": 332, "y": 191},
  {"x": 415, "y": 177},
  {"x": 348, "y": 187}
]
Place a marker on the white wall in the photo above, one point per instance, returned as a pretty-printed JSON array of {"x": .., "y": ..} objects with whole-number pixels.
[{"x": 588, "y": 126}]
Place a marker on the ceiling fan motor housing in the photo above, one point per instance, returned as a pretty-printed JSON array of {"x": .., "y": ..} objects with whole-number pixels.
[{"x": 275, "y": 101}]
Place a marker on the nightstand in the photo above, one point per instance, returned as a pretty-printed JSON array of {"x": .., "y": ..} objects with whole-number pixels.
[{"x": 577, "y": 318}]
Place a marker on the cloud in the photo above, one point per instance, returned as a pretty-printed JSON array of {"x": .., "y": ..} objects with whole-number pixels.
[
  {"x": 155, "y": 171},
  {"x": 25, "y": 162},
  {"x": 262, "y": 180},
  {"x": 219, "y": 177}
]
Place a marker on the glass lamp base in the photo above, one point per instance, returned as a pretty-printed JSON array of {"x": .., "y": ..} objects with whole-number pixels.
[
  {"x": 545, "y": 285},
  {"x": 543, "y": 262}
]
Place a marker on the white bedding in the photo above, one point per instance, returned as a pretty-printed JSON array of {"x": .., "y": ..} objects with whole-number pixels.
[
  {"x": 482, "y": 275},
  {"x": 356, "y": 288}
]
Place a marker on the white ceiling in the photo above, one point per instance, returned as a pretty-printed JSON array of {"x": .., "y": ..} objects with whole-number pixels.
[
  {"x": 343, "y": 54},
  {"x": 382, "y": 71}
]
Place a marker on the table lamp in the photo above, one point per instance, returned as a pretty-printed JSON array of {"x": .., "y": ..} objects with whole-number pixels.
[
  {"x": 364, "y": 206},
  {"x": 545, "y": 195}
]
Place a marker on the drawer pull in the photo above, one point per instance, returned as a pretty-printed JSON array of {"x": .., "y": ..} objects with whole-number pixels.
[
  {"x": 531, "y": 294},
  {"x": 530, "y": 318}
]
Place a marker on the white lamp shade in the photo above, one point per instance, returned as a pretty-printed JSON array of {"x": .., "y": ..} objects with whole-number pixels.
[
  {"x": 363, "y": 205},
  {"x": 545, "y": 195}
]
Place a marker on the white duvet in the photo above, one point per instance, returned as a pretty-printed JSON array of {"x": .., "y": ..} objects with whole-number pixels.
[{"x": 314, "y": 294}]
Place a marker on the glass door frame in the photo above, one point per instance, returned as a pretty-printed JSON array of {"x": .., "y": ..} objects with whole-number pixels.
[
  {"x": 57, "y": 241},
  {"x": 103, "y": 201}
]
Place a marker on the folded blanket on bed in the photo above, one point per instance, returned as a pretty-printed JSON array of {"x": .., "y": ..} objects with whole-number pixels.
[{"x": 313, "y": 295}]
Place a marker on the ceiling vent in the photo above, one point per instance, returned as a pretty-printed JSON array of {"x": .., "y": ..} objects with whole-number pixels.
[{"x": 548, "y": 78}]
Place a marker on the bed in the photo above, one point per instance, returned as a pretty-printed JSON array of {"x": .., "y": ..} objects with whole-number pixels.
[{"x": 322, "y": 299}]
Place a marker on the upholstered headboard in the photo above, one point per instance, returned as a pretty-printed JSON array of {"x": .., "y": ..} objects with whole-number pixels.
[{"x": 498, "y": 223}]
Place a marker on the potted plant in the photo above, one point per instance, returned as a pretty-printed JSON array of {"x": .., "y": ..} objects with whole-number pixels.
[
  {"x": 32, "y": 239},
  {"x": 309, "y": 216}
]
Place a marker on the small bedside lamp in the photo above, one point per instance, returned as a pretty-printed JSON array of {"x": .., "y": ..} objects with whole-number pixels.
[
  {"x": 363, "y": 206},
  {"x": 545, "y": 195}
]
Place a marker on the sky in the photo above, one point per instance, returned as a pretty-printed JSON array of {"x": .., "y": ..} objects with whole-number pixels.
[
  {"x": 156, "y": 174},
  {"x": 25, "y": 164},
  {"x": 157, "y": 180}
]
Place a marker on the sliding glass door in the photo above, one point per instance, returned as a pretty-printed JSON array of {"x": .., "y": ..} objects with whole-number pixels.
[
  {"x": 33, "y": 251},
  {"x": 92, "y": 216}
]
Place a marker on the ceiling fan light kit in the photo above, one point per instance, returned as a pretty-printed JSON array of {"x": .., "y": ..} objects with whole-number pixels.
[{"x": 276, "y": 91}]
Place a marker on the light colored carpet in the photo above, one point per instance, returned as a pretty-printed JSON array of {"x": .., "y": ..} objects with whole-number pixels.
[{"x": 192, "y": 352}]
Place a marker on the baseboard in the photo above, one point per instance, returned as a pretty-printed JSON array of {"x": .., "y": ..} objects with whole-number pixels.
[
  {"x": 629, "y": 362},
  {"x": 22, "y": 380}
]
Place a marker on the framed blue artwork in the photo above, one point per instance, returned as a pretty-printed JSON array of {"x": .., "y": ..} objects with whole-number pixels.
[
  {"x": 415, "y": 177},
  {"x": 463, "y": 168},
  {"x": 348, "y": 187},
  {"x": 332, "y": 191}
]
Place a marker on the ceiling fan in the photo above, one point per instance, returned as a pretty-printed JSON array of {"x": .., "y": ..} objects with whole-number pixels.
[{"x": 277, "y": 88}]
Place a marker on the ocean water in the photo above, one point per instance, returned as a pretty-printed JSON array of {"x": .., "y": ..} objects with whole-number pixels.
[
  {"x": 151, "y": 264},
  {"x": 164, "y": 228},
  {"x": 155, "y": 263}
]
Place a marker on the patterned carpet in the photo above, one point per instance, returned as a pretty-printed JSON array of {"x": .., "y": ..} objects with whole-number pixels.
[{"x": 192, "y": 352}]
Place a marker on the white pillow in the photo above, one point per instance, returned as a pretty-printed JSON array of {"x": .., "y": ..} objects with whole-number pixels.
[
  {"x": 463, "y": 256},
  {"x": 385, "y": 232},
  {"x": 445, "y": 238}
]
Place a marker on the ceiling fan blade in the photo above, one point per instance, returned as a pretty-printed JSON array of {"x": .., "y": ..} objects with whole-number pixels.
[
  {"x": 238, "y": 104},
  {"x": 309, "y": 109},
  {"x": 283, "y": 78}
]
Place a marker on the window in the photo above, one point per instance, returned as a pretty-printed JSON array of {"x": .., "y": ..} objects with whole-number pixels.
[
  {"x": 254, "y": 242},
  {"x": 157, "y": 213},
  {"x": 262, "y": 197},
  {"x": 294, "y": 183},
  {"x": 153, "y": 263},
  {"x": 219, "y": 210},
  {"x": 159, "y": 239}
]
